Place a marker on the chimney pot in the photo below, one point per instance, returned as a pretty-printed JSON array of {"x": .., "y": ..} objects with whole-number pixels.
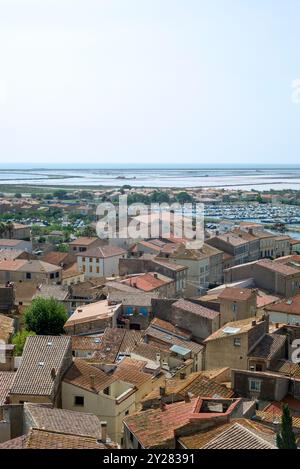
[
  {"x": 103, "y": 426},
  {"x": 92, "y": 379}
]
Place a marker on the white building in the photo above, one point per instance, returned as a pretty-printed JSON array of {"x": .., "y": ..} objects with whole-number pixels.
[{"x": 100, "y": 261}]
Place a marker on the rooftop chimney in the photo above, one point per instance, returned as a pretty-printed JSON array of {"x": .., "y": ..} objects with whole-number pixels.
[
  {"x": 103, "y": 426},
  {"x": 253, "y": 323},
  {"x": 187, "y": 397},
  {"x": 92, "y": 380},
  {"x": 155, "y": 275},
  {"x": 182, "y": 375},
  {"x": 162, "y": 391},
  {"x": 162, "y": 406}
]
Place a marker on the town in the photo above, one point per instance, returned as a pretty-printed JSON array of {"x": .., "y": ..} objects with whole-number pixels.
[{"x": 146, "y": 343}]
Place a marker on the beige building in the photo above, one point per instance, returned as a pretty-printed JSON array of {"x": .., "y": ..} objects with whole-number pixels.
[
  {"x": 204, "y": 265},
  {"x": 44, "y": 361},
  {"x": 93, "y": 318},
  {"x": 152, "y": 282},
  {"x": 100, "y": 261},
  {"x": 236, "y": 304},
  {"x": 109, "y": 395},
  {"x": 22, "y": 270},
  {"x": 232, "y": 344},
  {"x": 83, "y": 244}
]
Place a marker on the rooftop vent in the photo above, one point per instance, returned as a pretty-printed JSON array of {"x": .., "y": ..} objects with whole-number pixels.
[
  {"x": 49, "y": 343},
  {"x": 231, "y": 330},
  {"x": 41, "y": 364}
]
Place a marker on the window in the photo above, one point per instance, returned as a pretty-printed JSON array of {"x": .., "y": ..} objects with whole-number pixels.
[
  {"x": 79, "y": 401},
  {"x": 237, "y": 342},
  {"x": 255, "y": 385},
  {"x": 234, "y": 307},
  {"x": 91, "y": 268},
  {"x": 131, "y": 437},
  {"x": 56, "y": 274},
  {"x": 51, "y": 275},
  {"x": 97, "y": 269},
  {"x": 126, "y": 412},
  {"x": 28, "y": 275},
  {"x": 106, "y": 391}
]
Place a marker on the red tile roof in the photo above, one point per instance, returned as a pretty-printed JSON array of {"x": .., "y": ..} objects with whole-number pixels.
[{"x": 236, "y": 294}]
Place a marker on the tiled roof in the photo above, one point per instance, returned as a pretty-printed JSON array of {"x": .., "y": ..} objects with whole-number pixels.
[
  {"x": 87, "y": 343},
  {"x": 12, "y": 265},
  {"x": 15, "y": 443},
  {"x": 55, "y": 258},
  {"x": 154, "y": 427},
  {"x": 10, "y": 254},
  {"x": 10, "y": 242},
  {"x": 237, "y": 434},
  {"x": 61, "y": 420},
  {"x": 51, "y": 291},
  {"x": 6, "y": 380},
  {"x": 147, "y": 351},
  {"x": 236, "y": 327},
  {"x": 168, "y": 326},
  {"x": 103, "y": 252},
  {"x": 79, "y": 374},
  {"x": 84, "y": 241},
  {"x": 236, "y": 294},
  {"x": 232, "y": 239},
  {"x": 288, "y": 306},
  {"x": 6, "y": 328},
  {"x": 195, "y": 384},
  {"x": 170, "y": 265},
  {"x": 286, "y": 368},
  {"x": 115, "y": 341},
  {"x": 271, "y": 417},
  {"x": 268, "y": 346},
  {"x": 277, "y": 267},
  {"x": 147, "y": 282},
  {"x": 238, "y": 437},
  {"x": 43, "y": 439},
  {"x": 168, "y": 339},
  {"x": 195, "y": 309},
  {"x": 130, "y": 372},
  {"x": 41, "y": 355},
  {"x": 92, "y": 312}
]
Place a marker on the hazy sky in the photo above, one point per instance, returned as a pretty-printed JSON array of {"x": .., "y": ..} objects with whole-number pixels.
[{"x": 149, "y": 81}]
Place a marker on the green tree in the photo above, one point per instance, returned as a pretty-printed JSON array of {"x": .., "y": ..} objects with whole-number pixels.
[
  {"x": 184, "y": 197},
  {"x": 285, "y": 438},
  {"x": 19, "y": 340},
  {"x": 46, "y": 316},
  {"x": 63, "y": 247},
  {"x": 18, "y": 195},
  {"x": 60, "y": 194}
]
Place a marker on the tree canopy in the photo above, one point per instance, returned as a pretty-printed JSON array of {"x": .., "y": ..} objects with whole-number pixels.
[
  {"x": 45, "y": 316},
  {"x": 286, "y": 438},
  {"x": 19, "y": 340}
]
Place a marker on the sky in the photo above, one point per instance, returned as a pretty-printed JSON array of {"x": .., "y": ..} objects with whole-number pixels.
[{"x": 149, "y": 81}]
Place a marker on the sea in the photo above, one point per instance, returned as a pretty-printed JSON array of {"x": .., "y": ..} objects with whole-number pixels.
[{"x": 246, "y": 177}]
